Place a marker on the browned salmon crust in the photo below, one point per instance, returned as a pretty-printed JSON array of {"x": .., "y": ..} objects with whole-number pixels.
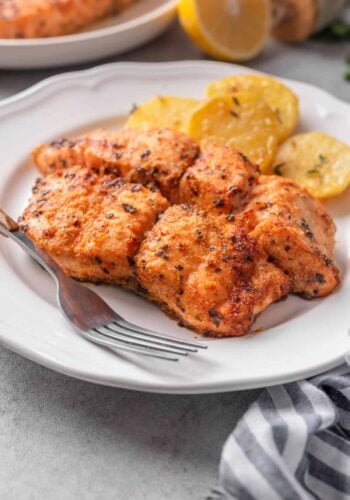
[
  {"x": 242, "y": 241},
  {"x": 207, "y": 273},
  {"x": 153, "y": 157},
  {"x": 220, "y": 181},
  {"x": 47, "y": 18},
  {"x": 293, "y": 228},
  {"x": 92, "y": 225},
  {"x": 297, "y": 233}
]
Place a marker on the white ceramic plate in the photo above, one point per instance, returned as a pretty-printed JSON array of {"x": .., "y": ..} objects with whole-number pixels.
[
  {"x": 300, "y": 338},
  {"x": 133, "y": 27}
]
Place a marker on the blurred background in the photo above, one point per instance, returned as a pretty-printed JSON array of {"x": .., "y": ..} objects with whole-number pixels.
[{"x": 301, "y": 39}]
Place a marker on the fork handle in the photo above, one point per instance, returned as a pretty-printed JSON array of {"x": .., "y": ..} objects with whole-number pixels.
[{"x": 10, "y": 229}]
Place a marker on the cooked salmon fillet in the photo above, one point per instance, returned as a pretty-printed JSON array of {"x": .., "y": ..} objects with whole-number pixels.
[
  {"x": 220, "y": 181},
  {"x": 297, "y": 233},
  {"x": 293, "y": 228},
  {"x": 232, "y": 243},
  {"x": 208, "y": 274},
  {"x": 153, "y": 157},
  {"x": 47, "y": 18},
  {"x": 91, "y": 224}
]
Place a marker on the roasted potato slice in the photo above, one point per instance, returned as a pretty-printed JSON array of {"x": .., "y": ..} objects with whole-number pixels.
[
  {"x": 242, "y": 121},
  {"x": 282, "y": 101},
  {"x": 163, "y": 112},
  {"x": 316, "y": 160}
]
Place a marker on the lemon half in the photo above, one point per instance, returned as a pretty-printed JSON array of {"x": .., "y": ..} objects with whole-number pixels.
[{"x": 233, "y": 30}]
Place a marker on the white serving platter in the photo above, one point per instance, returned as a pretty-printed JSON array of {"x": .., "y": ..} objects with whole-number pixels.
[
  {"x": 135, "y": 26},
  {"x": 300, "y": 338}
]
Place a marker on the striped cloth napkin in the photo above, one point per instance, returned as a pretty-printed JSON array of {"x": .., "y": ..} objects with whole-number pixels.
[{"x": 293, "y": 443}]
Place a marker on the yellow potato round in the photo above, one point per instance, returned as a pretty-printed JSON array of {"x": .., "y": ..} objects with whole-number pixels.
[
  {"x": 318, "y": 161},
  {"x": 162, "y": 112},
  {"x": 242, "y": 121},
  {"x": 280, "y": 98}
]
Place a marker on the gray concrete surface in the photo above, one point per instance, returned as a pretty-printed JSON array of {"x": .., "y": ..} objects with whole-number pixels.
[{"x": 65, "y": 439}]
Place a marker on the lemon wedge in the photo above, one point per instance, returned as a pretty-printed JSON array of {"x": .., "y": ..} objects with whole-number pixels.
[{"x": 233, "y": 30}]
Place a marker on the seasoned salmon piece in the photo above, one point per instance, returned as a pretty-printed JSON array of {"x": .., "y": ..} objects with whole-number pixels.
[
  {"x": 220, "y": 181},
  {"x": 46, "y": 18},
  {"x": 92, "y": 225},
  {"x": 208, "y": 274},
  {"x": 294, "y": 229},
  {"x": 153, "y": 157},
  {"x": 296, "y": 232}
]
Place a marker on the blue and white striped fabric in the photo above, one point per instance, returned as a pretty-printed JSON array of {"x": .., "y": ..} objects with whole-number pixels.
[{"x": 293, "y": 443}]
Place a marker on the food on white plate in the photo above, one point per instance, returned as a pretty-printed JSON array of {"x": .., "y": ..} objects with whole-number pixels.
[
  {"x": 254, "y": 114},
  {"x": 47, "y": 18},
  {"x": 234, "y": 240},
  {"x": 91, "y": 224},
  {"x": 208, "y": 274},
  {"x": 317, "y": 161},
  {"x": 290, "y": 225},
  {"x": 280, "y": 98},
  {"x": 162, "y": 112},
  {"x": 156, "y": 157}
]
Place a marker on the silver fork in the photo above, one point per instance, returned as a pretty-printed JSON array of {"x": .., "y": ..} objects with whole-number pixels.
[{"x": 91, "y": 316}]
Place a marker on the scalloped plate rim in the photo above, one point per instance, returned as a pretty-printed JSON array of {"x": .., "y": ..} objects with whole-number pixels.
[{"x": 93, "y": 77}]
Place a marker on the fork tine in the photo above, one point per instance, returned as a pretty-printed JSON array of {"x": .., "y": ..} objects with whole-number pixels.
[
  {"x": 113, "y": 344},
  {"x": 145, "y": 331},
  {"x": 136, "y": 343},
  {"x": 144, "y": 338}
]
